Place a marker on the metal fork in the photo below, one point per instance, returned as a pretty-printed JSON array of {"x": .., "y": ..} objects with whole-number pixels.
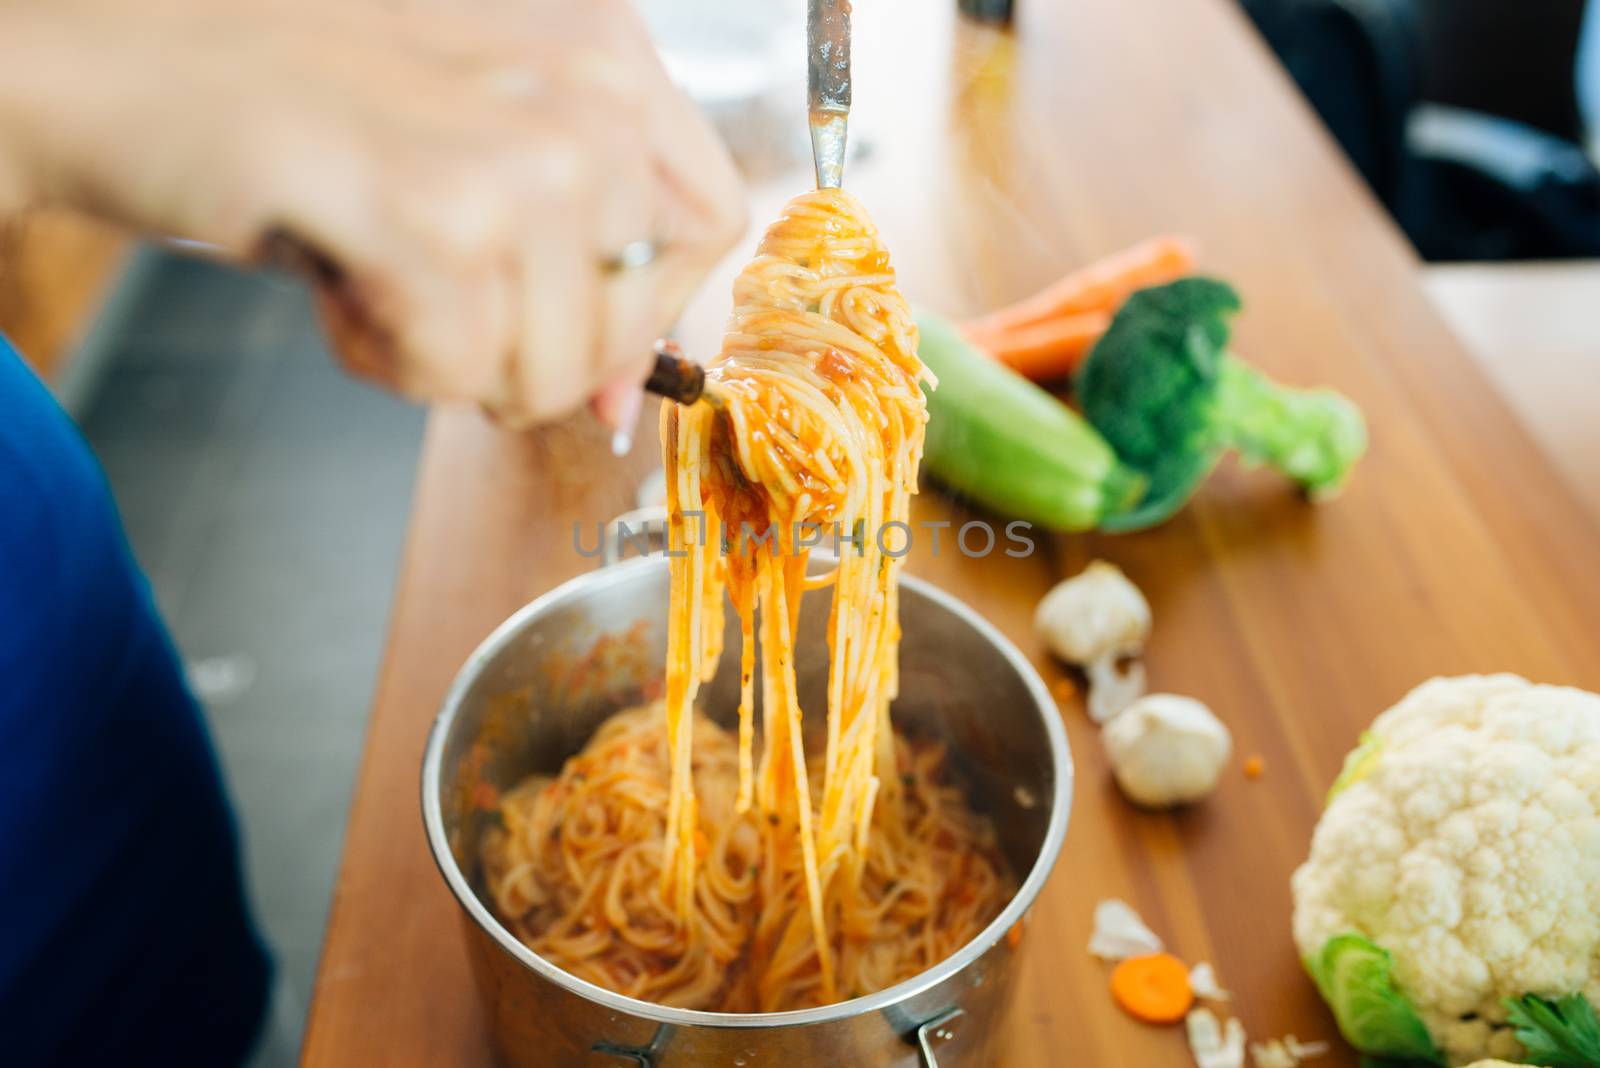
[
  {"x": 828, "y": 86},
  {"x": 828, "y": 98}
]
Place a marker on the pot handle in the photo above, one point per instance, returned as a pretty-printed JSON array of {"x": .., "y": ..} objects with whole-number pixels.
[
  {"x": 649, "y": 521},
  {"x": 930, "y": 1032},
  {"x": 937, "y": 1029},
  {"x": 638, "y": 1056}
]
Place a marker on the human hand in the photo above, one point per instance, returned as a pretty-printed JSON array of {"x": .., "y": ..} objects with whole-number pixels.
[{"x": 465, "y": 171}]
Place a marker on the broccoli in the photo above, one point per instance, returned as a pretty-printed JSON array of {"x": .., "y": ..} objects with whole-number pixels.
[{"x": 1162, "y": 388}]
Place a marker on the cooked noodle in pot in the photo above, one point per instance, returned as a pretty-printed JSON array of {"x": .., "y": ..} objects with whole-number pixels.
[{"x": 664, "y": 862}]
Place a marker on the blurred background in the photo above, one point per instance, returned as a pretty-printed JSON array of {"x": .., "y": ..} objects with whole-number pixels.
[
  {"x": 266, "y": 494},
  {"x": 1473, "y": 121}
]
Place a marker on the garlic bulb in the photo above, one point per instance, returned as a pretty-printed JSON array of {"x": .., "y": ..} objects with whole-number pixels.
[
  {"x": 1092, "y": 620},
  {"x": 1166, "y": 750}
]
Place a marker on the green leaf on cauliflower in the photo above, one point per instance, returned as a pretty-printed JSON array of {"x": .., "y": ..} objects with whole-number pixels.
[
  {"x": 1556, "y": 1034},
  {"x": 1356, "y": 978},
  {"x": 1358, "y": 764}
]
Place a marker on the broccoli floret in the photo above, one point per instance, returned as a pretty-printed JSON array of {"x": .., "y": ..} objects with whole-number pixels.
[{"x": 1163, "y": 389}]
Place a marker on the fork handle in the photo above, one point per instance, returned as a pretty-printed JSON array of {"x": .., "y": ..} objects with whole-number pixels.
[{"x": 675, "y": 376}]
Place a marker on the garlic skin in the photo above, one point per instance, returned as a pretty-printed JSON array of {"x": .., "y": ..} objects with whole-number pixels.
[
  {"x": 1203, "y": 981},
  {"x": 1211, "y": 1044},
  {"x": 1286, "y": 1052},
  {"x": 1167, "y": 750},
  {"x": 1092, "y": 620},
  {"x": 1120, "y": 932}
]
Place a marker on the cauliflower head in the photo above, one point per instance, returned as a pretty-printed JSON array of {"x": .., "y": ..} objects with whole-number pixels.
[{"x": 1462, "y": 844}]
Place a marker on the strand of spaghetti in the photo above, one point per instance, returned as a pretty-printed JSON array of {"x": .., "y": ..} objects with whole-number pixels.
[
  {"x": 693, "y": 646},
  {"x": 822, "y": 581},
  {"x": 744, "y": 605},
  {"x": 779, "y": 616},
  {"x": 679, "y": 465}
]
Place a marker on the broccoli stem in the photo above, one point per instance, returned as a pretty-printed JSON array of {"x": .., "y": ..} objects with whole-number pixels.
[{"x": 1314, "y": 436}]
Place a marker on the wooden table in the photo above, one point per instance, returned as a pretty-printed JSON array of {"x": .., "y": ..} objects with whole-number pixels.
[{"x": 996, "y": 162}]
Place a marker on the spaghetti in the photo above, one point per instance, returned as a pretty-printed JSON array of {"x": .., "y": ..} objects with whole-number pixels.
[{"x": 664, "y": 862}]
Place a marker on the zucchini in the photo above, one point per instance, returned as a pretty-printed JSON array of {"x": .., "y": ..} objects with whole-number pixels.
[{"x": 1000, "y": 441}]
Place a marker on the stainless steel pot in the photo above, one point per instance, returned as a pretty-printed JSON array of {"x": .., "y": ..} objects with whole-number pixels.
[{"x": 537, "y": 687}]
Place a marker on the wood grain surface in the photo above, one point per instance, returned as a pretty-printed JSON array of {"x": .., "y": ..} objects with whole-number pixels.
[{"x": 994, "y": 162}]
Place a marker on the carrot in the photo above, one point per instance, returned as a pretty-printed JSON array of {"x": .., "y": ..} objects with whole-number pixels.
[
  {"x": 1047, "y": 350},
  {"x": 1153, "y": 988},
  {"x": 1101, "y": 286}
]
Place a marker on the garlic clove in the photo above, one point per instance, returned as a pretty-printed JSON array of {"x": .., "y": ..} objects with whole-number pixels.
[
  {"x": 1166, "y": 750},
  {"x": 1096, "y": 613},
  {"x": 1112, "y": 689}
]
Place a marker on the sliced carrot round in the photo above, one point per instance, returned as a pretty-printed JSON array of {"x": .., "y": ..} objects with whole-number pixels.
[{"x": 1153, "y": 988}]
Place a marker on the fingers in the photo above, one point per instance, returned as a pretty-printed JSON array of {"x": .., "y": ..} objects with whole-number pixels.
[
  {"x": 466, "y": 167},
  {"x": 694, "y": 164},
  {"x": 617, "y": 405},
  {"x": 428, "y": 332},
  {"x": 471, "y": 242},
  {"x": 549, "y": 371},
  {"x": 696, "y": 198},
  {"x": 696, "y": 173},
  {"x": 409, "y": 282}
]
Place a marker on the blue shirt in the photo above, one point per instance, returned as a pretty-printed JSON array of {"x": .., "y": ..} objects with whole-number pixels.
[{"x": 124, "y": 935}]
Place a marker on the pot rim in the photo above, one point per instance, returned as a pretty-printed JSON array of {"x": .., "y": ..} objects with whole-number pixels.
[{"x": 585, "y": 584}]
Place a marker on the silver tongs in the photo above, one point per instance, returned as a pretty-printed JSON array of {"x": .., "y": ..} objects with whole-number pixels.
[{"x": 828, "y": 86}]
